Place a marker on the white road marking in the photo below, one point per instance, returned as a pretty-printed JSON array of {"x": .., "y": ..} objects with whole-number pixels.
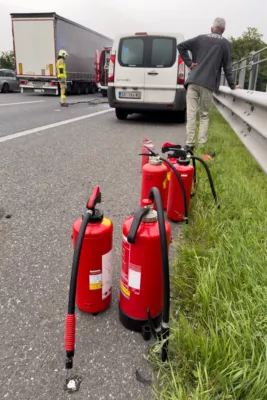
[
  {"x": 56, "y": 124},
  {"x": 21, "y": 102}
]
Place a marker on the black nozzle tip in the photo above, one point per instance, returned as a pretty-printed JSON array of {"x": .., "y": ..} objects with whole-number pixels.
[
  {"x": 69, "y": 362},
  {"x": 164, "y": 355},
  {"x": 146, "y": 332}
]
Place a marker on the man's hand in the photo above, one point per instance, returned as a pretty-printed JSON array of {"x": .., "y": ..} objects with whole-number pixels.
[
  {"x": 192, "y": 66},
  {"x": 238, "y": 87}
]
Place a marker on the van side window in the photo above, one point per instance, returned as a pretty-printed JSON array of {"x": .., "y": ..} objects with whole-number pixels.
[
  {"x": 132, "y": 52},
  {"x": 163, "y": 52}
]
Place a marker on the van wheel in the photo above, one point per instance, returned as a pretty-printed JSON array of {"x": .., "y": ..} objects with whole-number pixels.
[{"x": 121, "y": 114}]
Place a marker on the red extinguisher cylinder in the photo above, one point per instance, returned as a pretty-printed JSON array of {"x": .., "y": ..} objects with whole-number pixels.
[
  {"x": 94, "y": 281},
  {"x": 145, "y": 157},
  {"x": 154, "y": 175},
  {"x": 175, "y": 205},
  {"x": 141, "y": 284},
  {"x": 173, "y": 161}
]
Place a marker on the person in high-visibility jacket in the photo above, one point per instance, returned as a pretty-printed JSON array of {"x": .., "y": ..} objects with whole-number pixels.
[{"x": 62, "y": 76}]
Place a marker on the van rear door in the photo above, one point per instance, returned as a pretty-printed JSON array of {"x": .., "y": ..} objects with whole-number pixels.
[
  {"x": 129, "y": 80},
  {"x": 161, "y": 69}
]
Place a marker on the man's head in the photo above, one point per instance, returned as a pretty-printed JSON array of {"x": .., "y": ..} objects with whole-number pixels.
[{"x": 218, "y": 25}]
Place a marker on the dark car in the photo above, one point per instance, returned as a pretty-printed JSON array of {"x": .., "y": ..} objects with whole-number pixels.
[{"x": 8, "y": 81}]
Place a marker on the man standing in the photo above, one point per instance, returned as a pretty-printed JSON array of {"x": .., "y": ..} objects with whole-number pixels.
[
  {"x": 62, "y": 76},
  {"x": 210, "y": 53}
]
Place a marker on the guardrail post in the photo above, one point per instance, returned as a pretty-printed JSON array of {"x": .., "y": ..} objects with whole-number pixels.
[
  {"x": 242, "y": 73},
  {"x": 235, "y": 74},
  {"x": 254, "y": 68}
]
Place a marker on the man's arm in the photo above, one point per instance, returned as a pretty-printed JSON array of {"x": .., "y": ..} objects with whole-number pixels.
[
  {"x": 227, "y": 65},
  {"x": 184, "y": 47}
]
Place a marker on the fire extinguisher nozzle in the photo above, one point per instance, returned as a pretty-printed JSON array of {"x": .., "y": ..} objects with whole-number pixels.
[{"x": 69, "y": 361}]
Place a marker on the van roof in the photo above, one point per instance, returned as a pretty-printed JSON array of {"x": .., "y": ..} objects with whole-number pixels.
[
  {"x": 150, "y": 33},
  {"x": 179, "y": 36}
]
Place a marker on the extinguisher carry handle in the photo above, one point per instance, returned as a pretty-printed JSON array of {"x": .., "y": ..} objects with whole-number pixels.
[
  {"x": 135, "y": 224},
  {"x": 94, "y": 199},
  {"x": 169, "y": 146},
  {"x": 178, "y": 152}
]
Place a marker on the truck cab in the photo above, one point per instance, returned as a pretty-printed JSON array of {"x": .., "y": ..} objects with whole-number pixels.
[{"x": 103, "y": 70}]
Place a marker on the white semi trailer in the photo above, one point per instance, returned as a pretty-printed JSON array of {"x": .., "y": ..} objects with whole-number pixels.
[{"x": 37, "y": 39}]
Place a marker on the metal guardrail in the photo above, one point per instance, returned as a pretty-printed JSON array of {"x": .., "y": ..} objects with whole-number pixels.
[
  {"x": 250, "y": 63},
  {"x": 246, "y": 113}
]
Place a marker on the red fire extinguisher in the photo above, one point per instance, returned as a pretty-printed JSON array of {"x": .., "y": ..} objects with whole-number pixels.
[
  {"x": 145, "y": 151},
  {"x": 144, "y": 284},
  {"x": 172, "y": 157},
  {"x": 91, "y": 275},
  {"x": 157, "y": 176},
  {"x": 176, "y": 208},
  {"x": 154, "y": 174}
]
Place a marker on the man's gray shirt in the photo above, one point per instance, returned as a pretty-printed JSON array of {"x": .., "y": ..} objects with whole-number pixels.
[{"x": 211, "y": 52}]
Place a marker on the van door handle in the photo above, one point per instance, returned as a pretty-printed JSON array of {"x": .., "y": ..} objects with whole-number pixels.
[{"x": 152, "y": 73}]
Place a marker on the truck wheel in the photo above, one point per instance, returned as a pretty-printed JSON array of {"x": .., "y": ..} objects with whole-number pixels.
[
  {"x": 121, "y": 114},
  {"x": 90, "y": 86},
  {"x": 93, "y": 88},
  {"x": 104, "y": 93},
  {"x": 5, "y": 88},
  {"x": 86, "y": 88},
  {"x": 78, "y": 89}
]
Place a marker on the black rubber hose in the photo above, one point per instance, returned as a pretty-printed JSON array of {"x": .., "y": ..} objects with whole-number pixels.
[
  {"x": 75, "y": 263},
  {"x": 178, "y": 176},
  {"x": 154, "y": 194},
  {"x": 210, "y": 179},
  {"x": 194, "y": 165}
]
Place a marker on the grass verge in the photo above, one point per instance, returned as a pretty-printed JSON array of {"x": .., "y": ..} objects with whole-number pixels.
[{"x": 218, "y": 346}]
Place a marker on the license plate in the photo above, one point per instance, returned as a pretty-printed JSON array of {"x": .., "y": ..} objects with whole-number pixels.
[
  {"x": 130, "y": 95},
  {"x": 39, "y": 90}
]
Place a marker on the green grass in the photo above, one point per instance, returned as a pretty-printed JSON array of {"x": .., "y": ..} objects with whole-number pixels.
[{"x": 218, "y": 346}]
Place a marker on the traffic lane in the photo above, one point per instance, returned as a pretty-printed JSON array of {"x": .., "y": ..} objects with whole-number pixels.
[
  {"x": 46, "y": 179},
  {"x": 28, "y": 112}
]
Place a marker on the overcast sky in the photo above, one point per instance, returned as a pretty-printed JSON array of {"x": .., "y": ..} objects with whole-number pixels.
[{"x": 109, "y": 17}]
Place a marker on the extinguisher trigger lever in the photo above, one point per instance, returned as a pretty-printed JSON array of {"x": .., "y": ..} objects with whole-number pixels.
[
  {"x": 94, "y": 199},
  {"x": 169, "y": 146}
]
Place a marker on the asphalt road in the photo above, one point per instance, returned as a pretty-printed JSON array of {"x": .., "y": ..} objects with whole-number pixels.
[{"x": 46, "y": 177}]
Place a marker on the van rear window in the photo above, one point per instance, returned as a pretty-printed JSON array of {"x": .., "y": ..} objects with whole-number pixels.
[
  {"x": 147, "y": 52},
  {"x": 163, "y": 52},
  {"x": 132, "y": 52}
]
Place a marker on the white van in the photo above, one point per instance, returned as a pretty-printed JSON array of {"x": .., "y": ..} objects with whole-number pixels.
[{"x": 146, "y": 73}]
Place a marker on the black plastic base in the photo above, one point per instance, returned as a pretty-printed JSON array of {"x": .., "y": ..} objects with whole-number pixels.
[{"x": 138, "y": 325}]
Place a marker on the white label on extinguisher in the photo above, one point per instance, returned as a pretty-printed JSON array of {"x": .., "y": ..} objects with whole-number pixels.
[
  {"x": 134, "y": 279},
  {"x": 95, "y": 280},
  {"x": 106, "y": 274}
]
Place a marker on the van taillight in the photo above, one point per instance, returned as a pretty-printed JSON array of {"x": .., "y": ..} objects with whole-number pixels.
[
  {"x": 53, "y": 83},
  {"x": 111, "y": 69},
  {"x": 181, "y": 71},
  {"x": 24, "y": 82}
]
